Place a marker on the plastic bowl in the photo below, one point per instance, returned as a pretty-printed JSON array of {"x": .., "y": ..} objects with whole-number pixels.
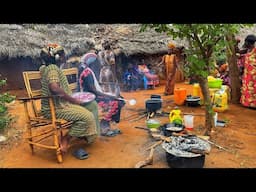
[
  {"x": 217, "y": 83},
  {"x": 153, "y": 124}
]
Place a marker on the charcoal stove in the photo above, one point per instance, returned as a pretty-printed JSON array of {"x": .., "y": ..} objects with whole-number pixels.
[{"x": 179, "y": 152}]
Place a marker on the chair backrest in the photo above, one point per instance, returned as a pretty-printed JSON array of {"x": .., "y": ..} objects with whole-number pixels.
[
  {"x": 32, "y": 80},
  {"x": 72, "y": 75}
]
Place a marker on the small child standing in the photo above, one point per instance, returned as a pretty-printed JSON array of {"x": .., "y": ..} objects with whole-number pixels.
[{"x": 128, "y": 80}]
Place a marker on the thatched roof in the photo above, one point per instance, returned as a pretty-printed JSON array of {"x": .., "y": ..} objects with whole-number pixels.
[
  {"x": 128, "y": 40},
  {"x": 27, "y": 40}
]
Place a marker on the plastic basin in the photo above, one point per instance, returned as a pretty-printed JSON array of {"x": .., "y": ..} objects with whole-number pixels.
[{"x": 217, "y": 83}]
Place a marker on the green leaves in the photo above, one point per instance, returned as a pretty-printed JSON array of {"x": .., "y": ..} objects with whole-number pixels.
[
  {"x": 6, "y": 98},
  {"x": 207, "y": 42},
  {"x": 3, "y": 123},
  {"x": 2, "y": 109},
  {"x": 2, "y": 82},
  {"x": 5, "y": 118}
]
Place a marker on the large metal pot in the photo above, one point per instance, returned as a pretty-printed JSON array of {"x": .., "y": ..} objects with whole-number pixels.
[
  {"x": 186, "y": 151},
  {"x": 152, "y": 105},
  {"x": 185, "y": 162}
]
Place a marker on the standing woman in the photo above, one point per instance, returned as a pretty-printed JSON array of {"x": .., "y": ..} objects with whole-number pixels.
[
  {"x": 107, "y": 77},
  {"x": 248, "y": 91},
  {"x": 170, "y": 62}
]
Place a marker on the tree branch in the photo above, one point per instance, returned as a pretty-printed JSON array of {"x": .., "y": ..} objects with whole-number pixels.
[{"x": 196, "y": 38}]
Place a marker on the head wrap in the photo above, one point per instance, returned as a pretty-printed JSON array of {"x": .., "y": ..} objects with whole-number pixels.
[
  {"x": 171, "y": 45},
  {"x": 88, "y": 58},
  {"x": 52, "y": 49},
  {"x": 52, "y": 53}
]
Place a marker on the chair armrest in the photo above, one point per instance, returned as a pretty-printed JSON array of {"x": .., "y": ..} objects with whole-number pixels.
[{"x": 25, "y": 99}]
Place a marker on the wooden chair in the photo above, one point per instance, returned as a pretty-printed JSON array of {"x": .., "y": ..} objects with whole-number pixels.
[{"x": 39, "y": 129}]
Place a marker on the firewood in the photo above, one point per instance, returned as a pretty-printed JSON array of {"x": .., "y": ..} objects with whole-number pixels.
[
  {"x": 154, "y": 145},
  {"x": 148, "y": 161},
  {"x": 161, "y": 137}
]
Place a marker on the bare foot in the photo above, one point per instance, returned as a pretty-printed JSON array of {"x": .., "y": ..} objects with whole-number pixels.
[{"x": 64, "y": 143}]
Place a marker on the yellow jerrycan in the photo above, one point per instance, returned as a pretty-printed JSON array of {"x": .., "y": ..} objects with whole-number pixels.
[
  {"x": 175, "y": 116},
  {"x": 220, "y": 101}
]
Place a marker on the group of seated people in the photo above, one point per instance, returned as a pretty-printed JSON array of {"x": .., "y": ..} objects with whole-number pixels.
[{"x": 138, "y": 76}]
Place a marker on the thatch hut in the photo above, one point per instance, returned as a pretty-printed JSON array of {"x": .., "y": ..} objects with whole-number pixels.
[
  {"x": 20, "y": 47},
  {"x": 21, "y": 44}
]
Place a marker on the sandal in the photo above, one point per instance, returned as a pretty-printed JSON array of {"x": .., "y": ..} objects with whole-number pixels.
[
  {"x": 109, "y": 133},
  {"x": 117, "y": 131},
  {"x": 81, "y": 154}
]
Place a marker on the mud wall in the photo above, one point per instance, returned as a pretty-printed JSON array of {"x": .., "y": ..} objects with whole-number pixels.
[{"x": 12, "y": 71}]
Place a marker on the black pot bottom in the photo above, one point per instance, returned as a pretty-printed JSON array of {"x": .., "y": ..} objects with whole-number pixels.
[{"x": 185, "y": 162}]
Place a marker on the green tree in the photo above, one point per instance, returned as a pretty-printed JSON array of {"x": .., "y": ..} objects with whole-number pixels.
[{"x": 203, "y": 41}]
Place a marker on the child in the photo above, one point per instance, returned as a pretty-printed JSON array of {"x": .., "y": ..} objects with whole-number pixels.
[{"x": 128, "y": 79}]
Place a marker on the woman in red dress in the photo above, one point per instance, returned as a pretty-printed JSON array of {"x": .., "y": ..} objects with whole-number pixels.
[{"x": 248, "y": 97}]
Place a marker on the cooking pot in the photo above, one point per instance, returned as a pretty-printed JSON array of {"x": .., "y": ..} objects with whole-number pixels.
[
  {"x": 192, "y": 101},
  {"x": 170, "y": 128},
  {"x": 152, "y": 105},
  {"x": 185, "y": 162},
  {"x": 179, "y": 152}
]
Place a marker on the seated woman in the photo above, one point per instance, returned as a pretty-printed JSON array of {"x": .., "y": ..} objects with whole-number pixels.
[
  {"x": 149, "y": 78},
  {"x": 109, "y": 103},
  {"x": 224, "y": 72},
  {"x": 153, "y": 79},
  {"x": 54, "y": 82}
]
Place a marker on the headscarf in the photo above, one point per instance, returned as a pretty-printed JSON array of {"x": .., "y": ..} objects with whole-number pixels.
[
  {"x": 86, "y": 60},
  {"x": 52, "y": 53},
  {"x": 53, "y": 49},
  {"x": 171, "y": 45}
]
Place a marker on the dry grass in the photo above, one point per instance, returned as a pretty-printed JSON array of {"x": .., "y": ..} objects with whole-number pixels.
[{"x": 26, "y": 40}]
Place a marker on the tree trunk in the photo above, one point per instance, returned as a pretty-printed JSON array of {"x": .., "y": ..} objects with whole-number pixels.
[
  {"x": 233, "y": 71},
  {"x": 208, "y": 105}
]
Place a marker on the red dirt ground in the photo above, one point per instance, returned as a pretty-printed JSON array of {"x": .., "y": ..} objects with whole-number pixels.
[{"x": 125, "y": 150}]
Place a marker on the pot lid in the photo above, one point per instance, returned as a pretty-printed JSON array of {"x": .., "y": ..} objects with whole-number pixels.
[{"x": 191, "y": 98}]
